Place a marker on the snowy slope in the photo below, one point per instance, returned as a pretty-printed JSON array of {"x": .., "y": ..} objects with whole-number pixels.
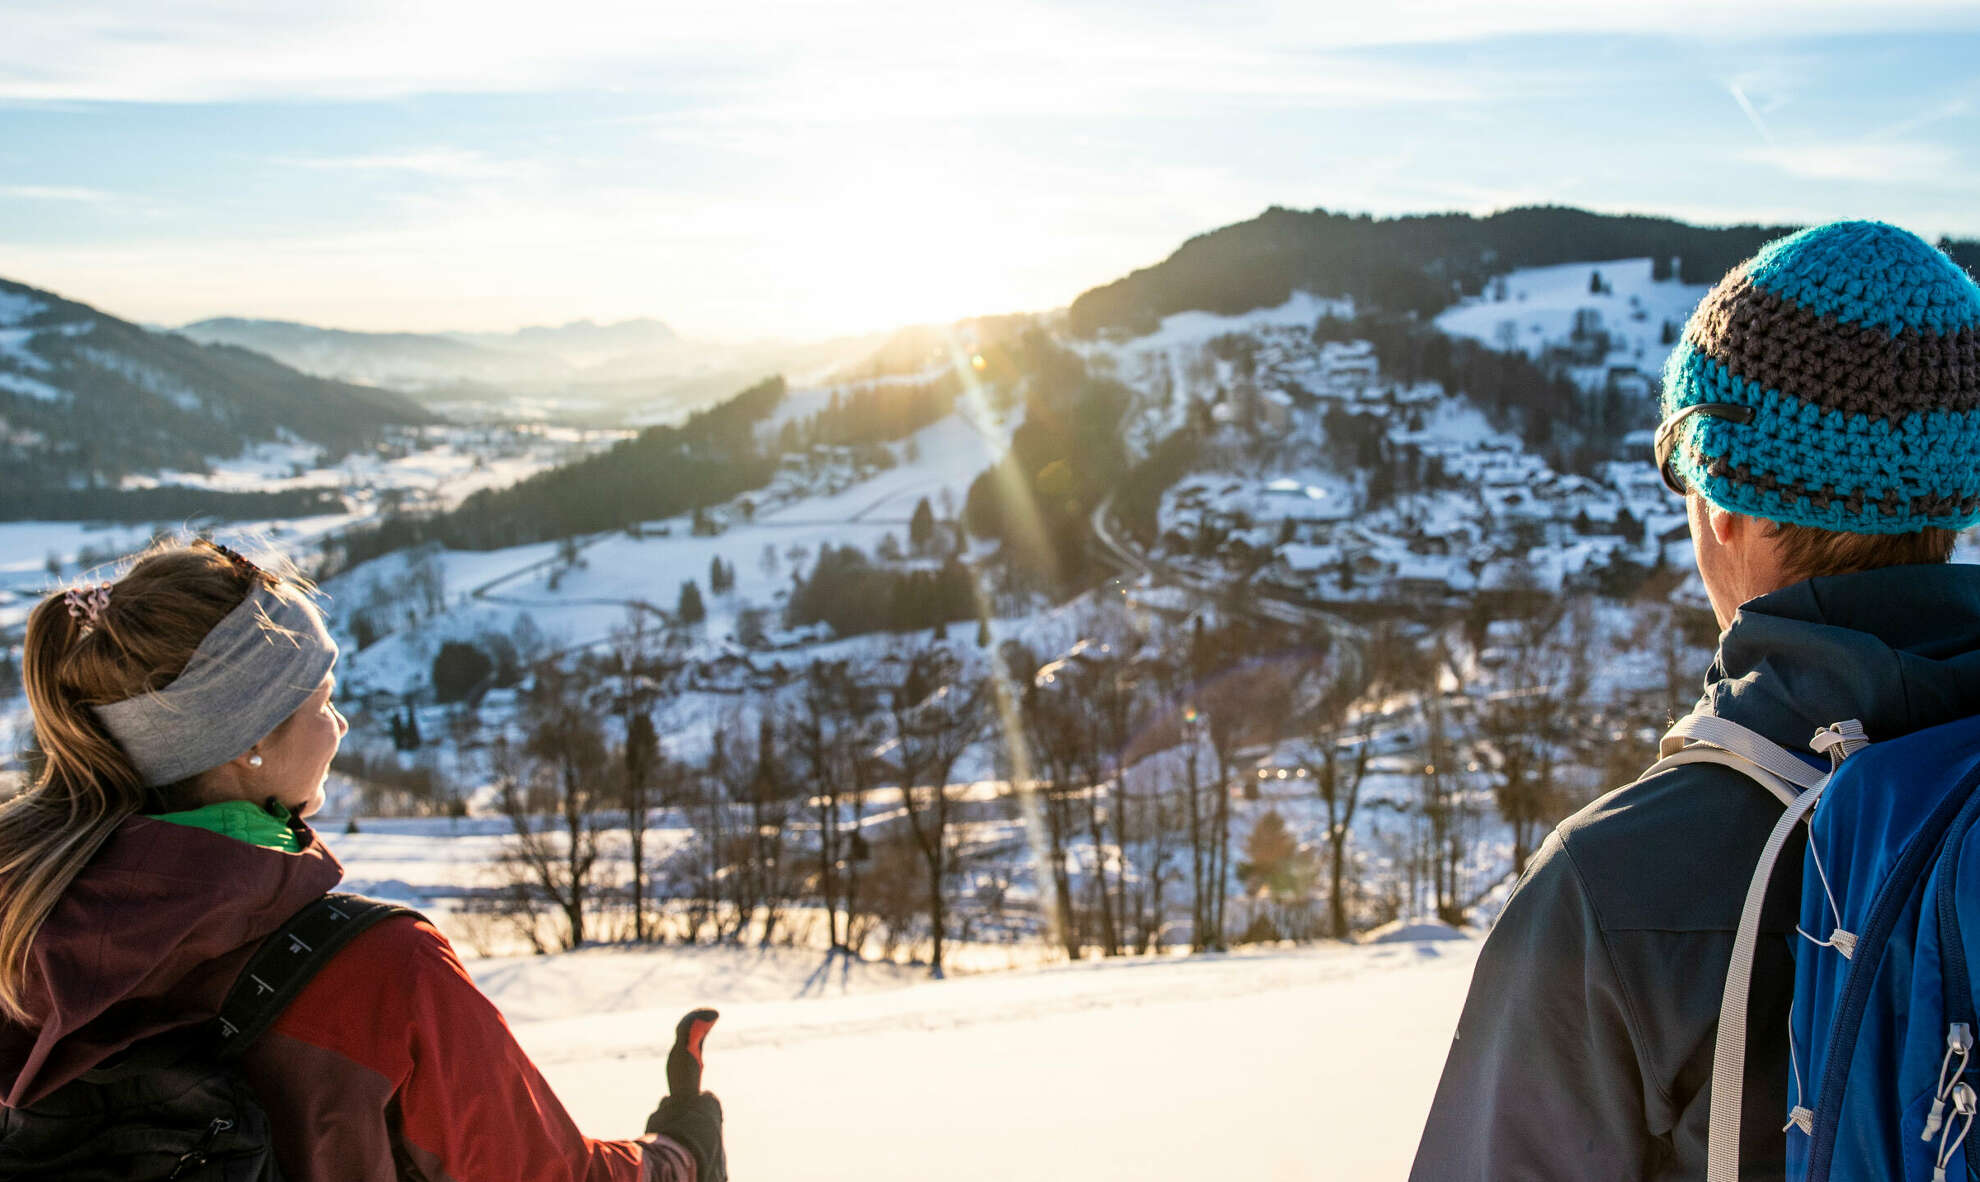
[
  {"x": 1311, "y": 1063},
  {"x": 1539, "y": 305},
  {"x": 489, "y": 590}
]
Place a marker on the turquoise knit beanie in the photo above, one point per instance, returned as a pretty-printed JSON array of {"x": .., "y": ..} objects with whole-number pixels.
[{"x": 1858, "y": 346}]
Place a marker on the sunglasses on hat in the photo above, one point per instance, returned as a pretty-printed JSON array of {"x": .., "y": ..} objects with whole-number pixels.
[{"x": 1667, "y": 435}]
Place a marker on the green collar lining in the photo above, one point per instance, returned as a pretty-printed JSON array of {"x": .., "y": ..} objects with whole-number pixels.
[{"x": 242, "y": 820}]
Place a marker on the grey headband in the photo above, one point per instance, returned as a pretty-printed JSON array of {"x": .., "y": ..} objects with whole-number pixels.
[{"x": 243, "y": 680}]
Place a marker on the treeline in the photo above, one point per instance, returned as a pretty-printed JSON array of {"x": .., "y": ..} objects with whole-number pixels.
[
  {"x": 874, "y": 414},
  {"x": 660, "y": 472},
  {"x": 1415, "y": 264},
  {"x": 832, "y": 801},
  {"x": 854, "y": 596},
  {"x": 1570, "y": 427},
  {"x": 23, "y": 501},
  {"x": 1063, "y": 460},
  {"x": 1141, "y": 780}
]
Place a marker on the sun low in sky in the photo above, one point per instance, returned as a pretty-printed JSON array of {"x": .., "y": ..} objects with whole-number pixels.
[{"x": 807, "y": 169}]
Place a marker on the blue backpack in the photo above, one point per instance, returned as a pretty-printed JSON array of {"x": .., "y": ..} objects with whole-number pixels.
[{"x": 1882, "y": 1030}]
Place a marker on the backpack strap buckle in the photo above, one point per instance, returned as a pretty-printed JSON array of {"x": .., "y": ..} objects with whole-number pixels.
[{"x": 1839, "y": 741}]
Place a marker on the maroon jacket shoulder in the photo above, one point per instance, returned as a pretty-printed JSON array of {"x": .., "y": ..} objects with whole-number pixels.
[{"x": 392, "y": 1057}]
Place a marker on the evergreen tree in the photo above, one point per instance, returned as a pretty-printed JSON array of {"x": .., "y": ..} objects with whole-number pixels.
[
  {"x": 921, "y": 527},
  {"x": 690, "y": 610}
]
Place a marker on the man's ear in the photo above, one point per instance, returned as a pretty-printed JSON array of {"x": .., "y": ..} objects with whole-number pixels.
[{"x": 1724, "y": 523}]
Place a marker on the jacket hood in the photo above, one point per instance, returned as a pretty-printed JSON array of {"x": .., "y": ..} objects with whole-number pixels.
[
  {"x": 148, "y": 938},
  {"x": 1896, "y": 648}
]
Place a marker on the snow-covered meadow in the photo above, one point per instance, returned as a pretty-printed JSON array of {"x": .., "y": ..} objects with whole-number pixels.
[{"x": 1310, "y": 1063}]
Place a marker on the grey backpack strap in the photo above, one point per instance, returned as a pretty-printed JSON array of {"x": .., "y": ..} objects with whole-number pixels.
[
  {"x": 1729, "y": 1050},
  {"x": 1754, "y": 748},
  {"x": 1706, "y": 738},
  {"x": 1785, "y": 791}
]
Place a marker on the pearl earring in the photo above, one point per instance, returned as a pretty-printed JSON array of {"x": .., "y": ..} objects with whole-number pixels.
[{"x": 254, "y": 761}]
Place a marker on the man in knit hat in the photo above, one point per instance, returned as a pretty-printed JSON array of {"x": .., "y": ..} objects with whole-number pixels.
[{"x": 1822, "y": 420}]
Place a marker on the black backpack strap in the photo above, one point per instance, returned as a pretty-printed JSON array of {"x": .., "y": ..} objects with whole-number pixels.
[{"x": 285, "y": 962}]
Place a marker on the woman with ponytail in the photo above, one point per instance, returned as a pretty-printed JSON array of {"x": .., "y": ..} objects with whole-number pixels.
[{"x": 185, "y": 719}]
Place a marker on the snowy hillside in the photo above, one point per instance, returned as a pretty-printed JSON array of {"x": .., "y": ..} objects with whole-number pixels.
[
  {"x": 1537, "y": 309},
  {"x": 578, "y": 595},
  {"x": 147, "y": 404}
]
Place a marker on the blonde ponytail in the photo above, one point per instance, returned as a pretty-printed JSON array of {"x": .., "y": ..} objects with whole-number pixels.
[{"x": 139, "y": 640}]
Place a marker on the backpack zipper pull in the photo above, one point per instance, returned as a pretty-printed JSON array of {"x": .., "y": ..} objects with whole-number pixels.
[
  {"x": 1964, "y": 1103},
  {"x": 198, "y": 1155},
  {"x": 1959, "y": 1041}
]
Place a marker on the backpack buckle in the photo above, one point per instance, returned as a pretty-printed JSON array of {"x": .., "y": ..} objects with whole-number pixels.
[{"x": 1839, "y": 741}]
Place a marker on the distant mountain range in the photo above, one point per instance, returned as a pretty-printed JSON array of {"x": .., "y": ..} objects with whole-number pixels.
[
  {"x": 87, "y": 400},
  {"x": 526, "y": 359},
  {"x": 580, "y": 343},
  {"x": 631, "y": 373},
  {"x": 397, "y": 360}
]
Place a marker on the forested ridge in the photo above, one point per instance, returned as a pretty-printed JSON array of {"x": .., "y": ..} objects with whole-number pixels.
[
  {"x": 88, "y": 399},
  {"x": 1418, "y": 263},
  {"x": 660, "y": 472}
]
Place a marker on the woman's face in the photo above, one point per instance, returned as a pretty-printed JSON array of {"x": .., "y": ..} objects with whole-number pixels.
[{"x": 295, "y": 757}]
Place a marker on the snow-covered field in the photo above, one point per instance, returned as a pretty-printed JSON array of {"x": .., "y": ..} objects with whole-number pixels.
[
  {"x": 584, "y": 604},
  {"x": 1307, "y": 1063},
  {"x": 1534, "y": 307}
]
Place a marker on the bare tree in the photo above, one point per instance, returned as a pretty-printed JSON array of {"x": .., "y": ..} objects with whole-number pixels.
[
  {"x": 565, "y": 759},
  {"x": 641, "y": 758},
  {"x": 1249, "y": 702},
  {"x": 1340, "y": 739},
  {"x": 1524, "y": 725},
  {"x": 748, "y": 771},
  {"x": 1175, "y": 678},
  {"x": 937, "y": 715},
  {"x": 1443, "y": 788},
  {"x": 1052, "y": 725},
  {"x": 830, "y": 731},
  {"x": 1088, "y": 693},
  {"x": 770, "y": 814}
]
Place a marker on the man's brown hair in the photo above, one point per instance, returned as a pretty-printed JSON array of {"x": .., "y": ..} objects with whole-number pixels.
[{"x": 1807, "y": 552}]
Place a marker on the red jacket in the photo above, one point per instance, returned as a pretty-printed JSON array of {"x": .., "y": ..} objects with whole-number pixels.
[{"x": 390, "y": 1064}]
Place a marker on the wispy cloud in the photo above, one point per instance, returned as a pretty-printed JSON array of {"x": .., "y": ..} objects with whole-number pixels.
[
  {"x": 56, "y": 193},
  {"x": 452, "y": 163},
  {"x": 219, "y": 50},
  {"x": 1874, "y": 162}
]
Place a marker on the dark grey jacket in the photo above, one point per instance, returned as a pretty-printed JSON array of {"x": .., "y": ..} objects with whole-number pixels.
[{"x": 1585, "y": 1046}]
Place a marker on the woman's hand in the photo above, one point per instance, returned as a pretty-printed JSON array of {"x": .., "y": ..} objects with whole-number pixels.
[{"x": 689, "y": 1115}]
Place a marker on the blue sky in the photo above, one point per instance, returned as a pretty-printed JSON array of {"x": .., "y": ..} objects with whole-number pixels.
[{"x": 802, "y": 169}]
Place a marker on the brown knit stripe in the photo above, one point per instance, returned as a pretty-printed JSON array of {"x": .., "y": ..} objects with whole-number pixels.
[
  {"x": 1857, "y": 369},
  {"x": 1890, "y": 504}
]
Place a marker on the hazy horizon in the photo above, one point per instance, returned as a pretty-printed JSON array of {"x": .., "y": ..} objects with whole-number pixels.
[{"x": 787, "y": 171}]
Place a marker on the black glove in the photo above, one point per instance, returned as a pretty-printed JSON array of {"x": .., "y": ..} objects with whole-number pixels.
[{"x": 689, "y": 1115}]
